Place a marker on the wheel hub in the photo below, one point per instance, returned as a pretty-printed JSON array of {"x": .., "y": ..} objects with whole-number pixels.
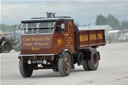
[
  {"x": 95, "y": 59},
  {"x": 66, "y": 64}
]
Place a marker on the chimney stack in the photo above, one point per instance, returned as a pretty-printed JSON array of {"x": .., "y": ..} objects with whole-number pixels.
[{"x": 50, "y": 15}]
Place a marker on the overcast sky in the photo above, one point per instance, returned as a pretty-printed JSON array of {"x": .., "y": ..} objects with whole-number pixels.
[{"x": 83, "y": 11}]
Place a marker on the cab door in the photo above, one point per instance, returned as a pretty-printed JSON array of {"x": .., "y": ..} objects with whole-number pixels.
[
  {"x": 59, "y": 38},
  {"x": 64, "y": 37},
  {"x": 69, "y": 36}
]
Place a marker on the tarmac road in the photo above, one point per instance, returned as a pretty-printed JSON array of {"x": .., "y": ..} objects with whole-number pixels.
[{"x": 113, "y": 70}]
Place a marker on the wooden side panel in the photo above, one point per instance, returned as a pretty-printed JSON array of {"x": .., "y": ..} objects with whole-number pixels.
[
  {"x": 91, "y": 38},
  {"x": 83, "y": 36},
  {"x": 100, "y": 36}
]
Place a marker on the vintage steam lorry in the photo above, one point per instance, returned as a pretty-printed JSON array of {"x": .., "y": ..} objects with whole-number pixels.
[{"x": 56, "y": 43}]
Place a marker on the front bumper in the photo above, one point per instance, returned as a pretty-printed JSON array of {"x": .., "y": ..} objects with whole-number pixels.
[
  {"x": 39, "y": 61},
  {"x": 37, "y": 56}
]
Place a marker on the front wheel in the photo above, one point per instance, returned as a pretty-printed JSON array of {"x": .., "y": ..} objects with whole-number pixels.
[
  {"x": 24, "y": 70},
  {"x": 64, "y": 64}
]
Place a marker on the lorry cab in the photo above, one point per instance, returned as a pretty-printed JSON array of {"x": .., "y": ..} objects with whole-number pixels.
[{"x": 47, "y": 36}]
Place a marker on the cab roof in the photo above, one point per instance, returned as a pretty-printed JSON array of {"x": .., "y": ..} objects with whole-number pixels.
[{"x": 43, "y": 19}]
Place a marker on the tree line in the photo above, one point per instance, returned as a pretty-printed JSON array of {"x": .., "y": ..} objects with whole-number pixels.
[{"x": 112, "y": 21}]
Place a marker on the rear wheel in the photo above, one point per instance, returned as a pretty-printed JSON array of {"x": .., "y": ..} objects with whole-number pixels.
[
  {"x": 24, "y": 70},
  {"x": 64, "y": 64},
  {"x": 85, "y": 65},
  {"x": 93, "y": 62}
]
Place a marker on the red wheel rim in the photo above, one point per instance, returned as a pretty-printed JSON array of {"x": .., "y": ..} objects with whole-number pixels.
[
  {"x": 95, "y": 59},
  {"x": 66, "y": 64}
]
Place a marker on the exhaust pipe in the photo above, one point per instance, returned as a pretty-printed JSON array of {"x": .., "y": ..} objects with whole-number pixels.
[{"x": 50, "y": 15}]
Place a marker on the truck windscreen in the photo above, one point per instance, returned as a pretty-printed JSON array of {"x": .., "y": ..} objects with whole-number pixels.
[{"x": 43, "y": 27}]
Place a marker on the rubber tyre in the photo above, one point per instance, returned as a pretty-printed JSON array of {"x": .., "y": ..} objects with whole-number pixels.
[
  {"x": 23, "y": 67},
  {"x": 93, "y": 63},
  {"x": 87, "y": 54},
  {"x": 64, "y": 64},
  {"x": 85, "y": 65},
  {"x": 80, "y": 58},
  {"x": 6, "y": 47}
]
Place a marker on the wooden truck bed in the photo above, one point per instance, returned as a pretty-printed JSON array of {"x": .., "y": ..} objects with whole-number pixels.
[{"x": 89, "y": 38}]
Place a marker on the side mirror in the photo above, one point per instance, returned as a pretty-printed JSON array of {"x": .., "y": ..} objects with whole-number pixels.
[{"x": 62, "y": 26}]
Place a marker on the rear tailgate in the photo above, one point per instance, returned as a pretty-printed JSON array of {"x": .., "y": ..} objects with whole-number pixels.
[{"x": 91, "y": 38}]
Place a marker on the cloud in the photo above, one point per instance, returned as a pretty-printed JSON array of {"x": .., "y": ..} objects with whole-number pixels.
[{"x": 82, "y": 12}]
